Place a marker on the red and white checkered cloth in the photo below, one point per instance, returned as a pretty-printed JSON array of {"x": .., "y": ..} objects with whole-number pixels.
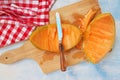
[{"x": 18, "y": 18}]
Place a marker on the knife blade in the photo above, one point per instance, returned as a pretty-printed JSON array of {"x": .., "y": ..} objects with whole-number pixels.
[{"x": 61, "y": 48}]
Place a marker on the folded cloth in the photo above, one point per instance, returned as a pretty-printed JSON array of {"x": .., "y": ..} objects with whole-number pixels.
[{"x": 18, "y": 18}]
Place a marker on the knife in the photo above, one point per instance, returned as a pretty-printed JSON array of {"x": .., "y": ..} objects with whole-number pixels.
[{"x": 61, "y": 48}]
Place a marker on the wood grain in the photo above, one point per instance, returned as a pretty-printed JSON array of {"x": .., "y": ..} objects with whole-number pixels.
[
  {"x": 79, "y": 8},
  {"x": 48, "y": 61}
]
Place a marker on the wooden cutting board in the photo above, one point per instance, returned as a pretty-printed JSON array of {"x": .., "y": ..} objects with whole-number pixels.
[{"x": 48, "y": 61}]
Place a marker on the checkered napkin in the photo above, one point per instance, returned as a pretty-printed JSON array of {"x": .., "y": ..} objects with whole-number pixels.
[{"x": 18, "y": 18}]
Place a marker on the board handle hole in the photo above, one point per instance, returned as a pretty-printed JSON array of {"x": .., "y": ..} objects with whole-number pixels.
[{"x": 6, "y": 57}]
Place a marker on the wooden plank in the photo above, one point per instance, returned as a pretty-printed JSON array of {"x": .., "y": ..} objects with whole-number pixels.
[{"x": 48, "y": 61}]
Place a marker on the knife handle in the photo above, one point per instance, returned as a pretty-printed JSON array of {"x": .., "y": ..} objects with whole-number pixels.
[{"x": 62, "y": 58}]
